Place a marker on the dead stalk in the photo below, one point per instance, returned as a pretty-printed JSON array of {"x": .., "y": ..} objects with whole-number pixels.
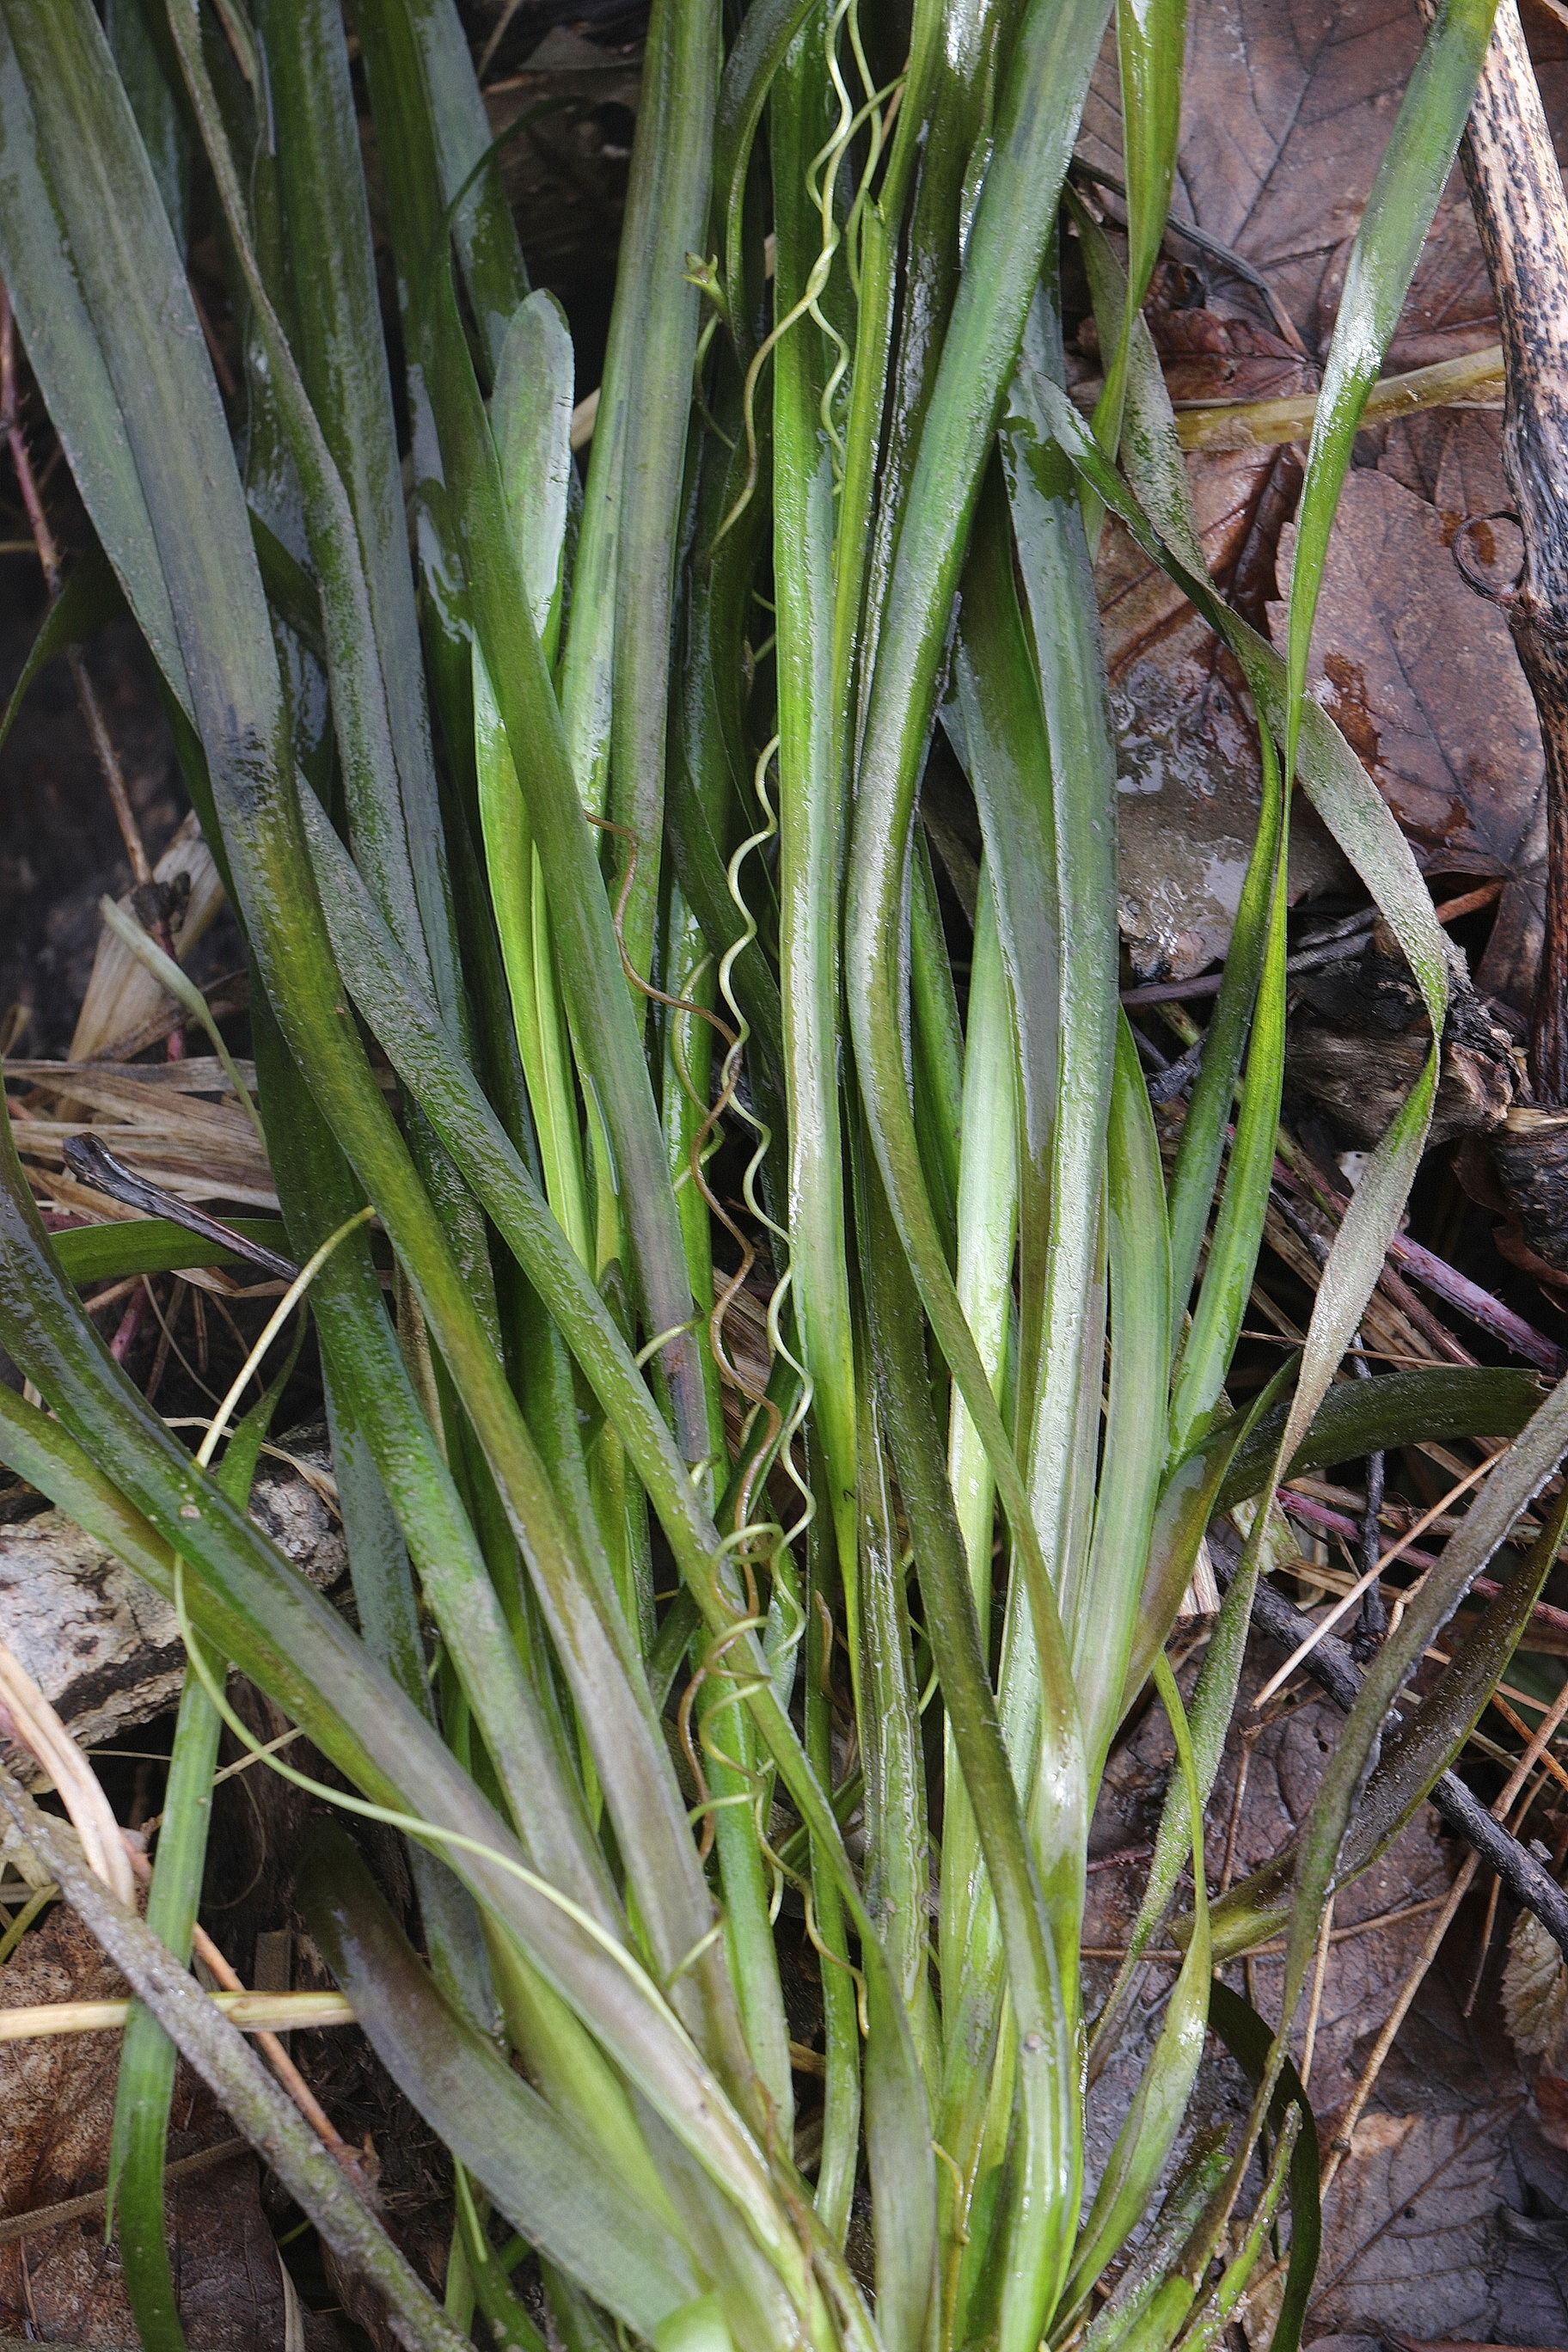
[{"x": 1320, "y": 1971}]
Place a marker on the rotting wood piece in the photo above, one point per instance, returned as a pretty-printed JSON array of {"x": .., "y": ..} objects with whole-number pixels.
[
  {"x": 1531, "y": 1154},
  {"x": 101, "y": 1645},
  {"x": 1521, "y": 214}
]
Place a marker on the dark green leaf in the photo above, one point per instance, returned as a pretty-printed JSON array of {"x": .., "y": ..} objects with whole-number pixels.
[{"x": 539, "y": 2170}]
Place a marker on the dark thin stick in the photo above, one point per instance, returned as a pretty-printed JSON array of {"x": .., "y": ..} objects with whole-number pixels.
[
  {"x": 1177, "y": 1075},
  {"x": 166, "y": 1333},
  {"x": 1490, "y": 1923},
  {"x": 1175, "y": 992},
  {"x": 1482, "y": 1309},
  {"x": 1416, "y": 1311},
  {"x": 91, "y": 1162},
  {"x": 126, "y": 1328},
  {"x": 1444, "y": 1281},
  {"x": 1123, "y": 1855},
  {"x": 1337, "y": 945},
  {"x": 1323, "y": 1520},
  {"x": 1373, "y": 1615},
  {"x": 226, "y": 997}
]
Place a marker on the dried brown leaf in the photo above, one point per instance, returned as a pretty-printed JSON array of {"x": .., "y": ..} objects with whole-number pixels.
[
  {"x": 1408, "y": 2230},
  {"x": 1420, "y": 674},
  {"x": 1534, "y": 1988},
  {"x": 65, "y": 2284},
  {"x": 1285, "y": 111},
  {"x": 1449, "y": 310},
  {"x": 1213, "y": 349},
  {"x": 1282, "y": 1775}
]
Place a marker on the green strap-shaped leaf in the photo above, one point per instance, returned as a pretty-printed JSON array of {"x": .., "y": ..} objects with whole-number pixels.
[
  {"x": 1411, "y": 1763},
  {"x": 492, "y": 2288},
  {"x": 120, "y": 238},
  {"x": 163, "y": 131},
  {"x": 1179, "y": 1525},
  {"x": 350, "y": 516},
  {"x": 145, "y": 2083},
  {"x": 1058, "y": 595},
  {"x": 240, "y": 2083},
  {"x": 1430, "y": 1739},
  {"x": 648, "y": 367},
  {"x": 62, "y": 345},
  {"x": 1143, "y": 2278},
  {"x": 1106, "y": 1627},
  {"x": 1033, "y": 1903},
  {"x": 1435, "y": 1735},
  {"x": 530, "y": 417},
  {"x": 539, "y": 2171},
  {"x": 1220, "y": 1308},
  {"x": 607, "y": 1031},
  {"x": 154, "y": 1246},
  {"x": 1052, "y": 57},
  {"x": 1394, "y": 1409},
  {"x": 1155, "y": 502},
  {"x": 519, "y": 1723},
  {"x": 494, "y": 272},
  {"x": 531, "y": 410},
  {"x": 813, "y": 819},
  {"x": 342, "y": 371},
  {"x": 391, "y": 997},
  {"x": 1186, "y": 1504},
  {"x": 756, "y": 54},
  {"x": 1159, "y": 2105},
  {"x": 1247, "y": 2038},
  {"x": 1151, "y": 36},
  {"x": 1404, "y": 196},
  {"x": 1410, "y": 180},
  {"x": 256, "y": 1610}
]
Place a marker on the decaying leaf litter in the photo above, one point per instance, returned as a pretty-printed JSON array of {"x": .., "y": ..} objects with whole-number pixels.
[{"x": 1282, "y": 128}]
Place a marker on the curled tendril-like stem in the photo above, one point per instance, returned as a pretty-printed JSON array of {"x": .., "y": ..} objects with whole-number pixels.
[
  {"x": 749, "y": 1541},
  {"x": 837, "y": 1959},
  {"x": 704, "y": 1142},
  {"x": 713, "y": 1668},
  {"x": 821, "y": 177}
]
